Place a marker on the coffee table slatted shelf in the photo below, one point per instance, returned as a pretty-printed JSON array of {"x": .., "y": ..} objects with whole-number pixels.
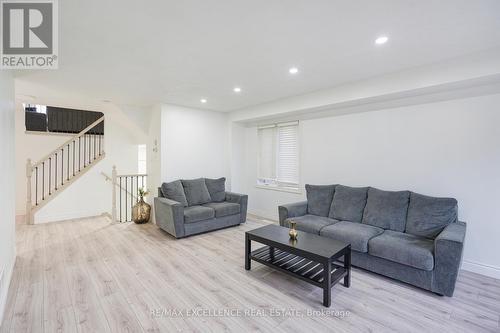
[
  {"x": 302, "y": 268},
  {"x": 306, "y": 258}
]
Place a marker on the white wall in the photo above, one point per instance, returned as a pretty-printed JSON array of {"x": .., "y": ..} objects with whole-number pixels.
[
  {"x": 194, "y": 143},
  {"x": 238, "y": 162},
  {"x": 90, "y": 195},
  {"x": 7, "y": 204},
  {"x": 154, "y": 150},
  {"x": 442, "y": 149}
]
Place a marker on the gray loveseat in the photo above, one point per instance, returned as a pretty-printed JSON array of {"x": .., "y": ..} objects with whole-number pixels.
[
  {"x": 188, "y": 207},
  {"x": 407, "y": 236}
]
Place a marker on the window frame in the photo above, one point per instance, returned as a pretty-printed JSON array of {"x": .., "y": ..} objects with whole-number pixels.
[{"x": 275, "y": 184}]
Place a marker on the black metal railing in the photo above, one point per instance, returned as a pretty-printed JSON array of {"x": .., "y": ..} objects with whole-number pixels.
[
  {"x": 62, "y": 120},
  {"x": 127, "y": 195},
  {"x": 61, "y": 166}
]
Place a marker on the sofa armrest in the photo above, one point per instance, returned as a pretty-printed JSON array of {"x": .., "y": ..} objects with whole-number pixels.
[
  {"x": 292, "y": 210},
  {"x": 242, "y": 200},
  {"x": 169, "y": 215},
  {"x": 448, "y": 250}
]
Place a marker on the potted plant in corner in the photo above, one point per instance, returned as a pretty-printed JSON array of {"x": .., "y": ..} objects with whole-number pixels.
[{"x": 141, "y": 212}]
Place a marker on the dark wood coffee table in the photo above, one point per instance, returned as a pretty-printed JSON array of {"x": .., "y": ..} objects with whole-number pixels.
[{"x": 307, "y": 258}]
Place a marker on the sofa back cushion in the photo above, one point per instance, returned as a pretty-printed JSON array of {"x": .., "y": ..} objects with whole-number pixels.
[
  {"x": 319, "y": 199},
  {"x": 428, "y": 216},
  {"x": 216, "y": 188},
  {"x": 196, "y": 191},
  {"x": 386, "y": 209},
  {"x": 174, "y": 191},
  {"x": 348, "y": 203}
]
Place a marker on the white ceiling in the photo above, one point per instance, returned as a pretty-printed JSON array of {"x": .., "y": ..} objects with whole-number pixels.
[{"x": 148, "y": 52}]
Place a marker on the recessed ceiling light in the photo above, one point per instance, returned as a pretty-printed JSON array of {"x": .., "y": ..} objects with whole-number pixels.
[
  {"x": 381, "y": 40},
  {"x": 293, "y": 70},
  {"x": 203, "y": 100},
  {"x": 237, "y": 89}
]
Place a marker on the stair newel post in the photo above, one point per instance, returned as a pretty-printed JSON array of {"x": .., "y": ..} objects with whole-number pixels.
[
  {"x": 113, "y": 208},
  {"x": 29, "y": 172}
]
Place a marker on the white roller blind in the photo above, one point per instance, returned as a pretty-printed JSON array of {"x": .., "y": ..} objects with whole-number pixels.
[
  {"x": 279, "y": 154},
  {"x": 267, "y": 152},
  {"x": 288, "y": 153}
]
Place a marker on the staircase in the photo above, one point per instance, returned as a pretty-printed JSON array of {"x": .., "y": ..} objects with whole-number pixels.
[{"x": 64, "y": 165}]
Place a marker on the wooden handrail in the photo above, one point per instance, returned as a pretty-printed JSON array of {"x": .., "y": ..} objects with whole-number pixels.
[
  {"x": 29, "y": 173},
  {"x": 82, "y": 133},
  {"x": 108, "y": 178},
  {"x": 137, "y": 175}
]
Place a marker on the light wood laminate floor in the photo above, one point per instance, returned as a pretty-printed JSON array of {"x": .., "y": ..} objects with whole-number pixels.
[{"x": 94, "y": 276}]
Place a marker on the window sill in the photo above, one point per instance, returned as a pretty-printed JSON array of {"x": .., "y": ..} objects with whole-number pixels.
[{"x": 280, "y": 189}]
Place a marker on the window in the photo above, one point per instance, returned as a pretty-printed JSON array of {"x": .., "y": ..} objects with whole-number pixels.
[
  {"x": 141, "y": 160},
  {"x": 142, "y": 164},
  {"x": 35, "y": 108},
  {"x": 279, "y": 155}
]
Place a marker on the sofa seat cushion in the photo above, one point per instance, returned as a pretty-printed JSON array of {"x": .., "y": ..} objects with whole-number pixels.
[
  {"x": 311, "y": 223},
  {"x": 348, "y": 203},
  {"x": 428, "y": 216},
  {"x": 196, "y": 191},
  {"x": 386, "y": 209},
  {"x": 319, "y": 199},
  {"x": 354, "y": 233},
  {"x": 224, "y": 208},
  {"x": 198, "y": 213},
  {"x": 174, "y": 191},
  {"x": 403, "y": 248}
]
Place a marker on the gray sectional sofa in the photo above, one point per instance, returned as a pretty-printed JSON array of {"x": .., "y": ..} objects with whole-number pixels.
[
  {"x": 188, "y": 207},
  {"x": 407, "y": 236}
]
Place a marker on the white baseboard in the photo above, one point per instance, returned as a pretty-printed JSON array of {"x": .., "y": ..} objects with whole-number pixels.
[
  {"x": 42, "y": 218},
  {"x": 5, "y": 278},
  {"x": 66, "y": 218},
  {"x": 482, "y": 269},
  {"x": 108, "y": 215}
]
